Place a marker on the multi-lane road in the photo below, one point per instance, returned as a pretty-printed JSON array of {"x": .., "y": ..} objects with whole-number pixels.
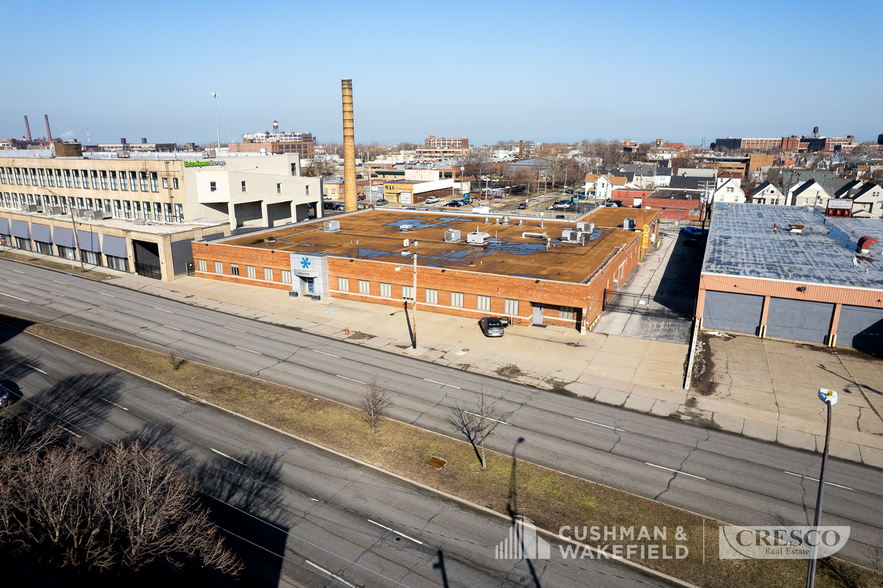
[{"x": 725, "y": 476}]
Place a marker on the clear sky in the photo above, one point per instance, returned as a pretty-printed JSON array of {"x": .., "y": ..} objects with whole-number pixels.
[{"x": 543, "y": 71}]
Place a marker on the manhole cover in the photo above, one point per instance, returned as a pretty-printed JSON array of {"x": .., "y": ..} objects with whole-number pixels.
[{"x": 436, "y": 463}]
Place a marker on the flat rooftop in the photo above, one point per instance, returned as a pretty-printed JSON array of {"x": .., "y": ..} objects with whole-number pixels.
[
  {"x": 376, "y": 235},
  {"x": 743, "y": 242}
]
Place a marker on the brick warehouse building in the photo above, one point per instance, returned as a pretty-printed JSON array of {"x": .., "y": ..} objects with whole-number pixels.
[
  {"x": 537, "y": 272},
  {"x": 789, "y": 272}
]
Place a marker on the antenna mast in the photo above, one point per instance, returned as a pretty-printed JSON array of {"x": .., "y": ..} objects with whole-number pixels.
[{"x": 217, "y": 129}]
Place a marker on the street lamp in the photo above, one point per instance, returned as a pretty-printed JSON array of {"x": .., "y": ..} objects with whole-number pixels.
[
  {"x": 462, "y": 170},
  {"x": 829, "y": 397},
  {"x": 76, "y": 237},
  {"x": 414, "y": 292}
]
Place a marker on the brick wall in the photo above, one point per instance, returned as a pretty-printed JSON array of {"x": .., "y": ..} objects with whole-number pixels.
[{"x": 585, "y": 299}]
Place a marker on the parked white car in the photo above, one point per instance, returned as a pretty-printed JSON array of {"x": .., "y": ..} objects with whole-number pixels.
[{"x": 431, "y": 200}]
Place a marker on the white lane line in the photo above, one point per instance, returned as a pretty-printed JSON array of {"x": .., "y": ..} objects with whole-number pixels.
[
  {"x": 350, "y": 379},
  {"x": 452, "y": 386},
  {"x": 115, "y": 404},
  {"x": 171, "y": 327},
  {"x": 323, "y": 353},
  {"x": 598, "y": 424},
  {"x": 69, "y": 431},
  {"x": 36, "y": 369},
  {"x": 440, "y": 383},
  {"x": 11, "y": 282},
  {"x": 102, "y": 293},
  {"x": 249, "y": 350},
  {"x": 57, "y": 282},
  {"x": 106, "y": 308},
  {"x": 161, "y": 310},
  {"x": 816, "y": 480},
  {"x": 396, "y": 532},
  {"x": 488, "y": 418},
  {"x": 227, "y": 456},
  {"x": 232, "y": 329},
  {"x": 671, "y": 470},
  {"x": 56, "y": 294},
  {"x": 18, "y": 272},
  {"x": 11, "y": 296},
  {"x": 334, "y": 576}
]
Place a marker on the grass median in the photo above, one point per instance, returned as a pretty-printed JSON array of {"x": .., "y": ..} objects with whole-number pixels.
[{"x": 551, "y": 499}]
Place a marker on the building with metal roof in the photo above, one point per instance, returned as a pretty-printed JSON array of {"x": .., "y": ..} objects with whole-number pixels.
[{"x": 790, "y": 272}]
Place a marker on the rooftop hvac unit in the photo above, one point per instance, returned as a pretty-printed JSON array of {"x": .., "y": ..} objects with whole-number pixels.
[
  {"x": 330, "y": 226},
  {"x": 32, "y": 208},
  {"x": 452, "y": 236},
  {"x": 477, "y": 238},
  {"x": 140, "y": 221},
  {"x": 628, "y": 224},
  {"x": 55, "y": 210},
  {"x": 406, "y": 228},
  {"x": 82, "y": 213},
  {"x": 581, "y": 226}
]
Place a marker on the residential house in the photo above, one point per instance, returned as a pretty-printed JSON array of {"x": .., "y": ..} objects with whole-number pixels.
[
  {"x": 600, "y": 186},
  {"x": 808, "y": 193},
  {"x": 730, "y": 191},
  {"x": 867, "y": 201},
  {"x": 767, "y": 193}
]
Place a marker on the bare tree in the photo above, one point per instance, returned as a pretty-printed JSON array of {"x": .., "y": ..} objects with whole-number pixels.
[
  {"x": 174, "y": 360},
  {"x": 375, "y": 403},
  {"x": 474, "y": 163},
  {"x": 476, "y": 421}
]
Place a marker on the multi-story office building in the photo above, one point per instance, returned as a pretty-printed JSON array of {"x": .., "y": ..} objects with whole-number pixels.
[
  {"x": 168, "y": 194},
  {"x": 304, "y": 144},
  {"x": 443, "y": 147}
]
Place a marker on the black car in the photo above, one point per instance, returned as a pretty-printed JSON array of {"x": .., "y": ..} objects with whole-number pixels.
[
  {"x": 381, "y": 202},
  {"x": 455, "y": 203},
  {"x": 491, "y": 326},
  {"x": 522, "y": 206}
]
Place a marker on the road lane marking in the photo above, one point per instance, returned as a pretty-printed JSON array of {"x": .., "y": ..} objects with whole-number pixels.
[
  {"x": 598, "y": 424},
  {"x": 57, "y": 282},
  {"x": 102, "y": 293},
  {"x": 106, "y": 308},
  {"x": 351, "y": 380},
  {"x": 227, "y": 456},
  {"x": 11, "y": 296},
  {"x": 249, "y": 350},
  {"x": 69, "y": 431},
  {"x": 452, "y": 386},
  {"x": 671, "y": 470},
  {"x": 171, "y": 327},
  {"x": 36, "y": 369},
  {"x": 161, "y": 310},
  {"x": 396, "y": 532},
  {"x": 334, "y": 576},
  {"x": 323, "y": 353},
  {"x": 18, "y": 272},
  {"x": 232, "y": 329},
  {"x": 11, "y": 282},
  {"x": 816, "y": 480},
  {"x": 487, "y": 417},
  {"x": 115, "y": 404}
]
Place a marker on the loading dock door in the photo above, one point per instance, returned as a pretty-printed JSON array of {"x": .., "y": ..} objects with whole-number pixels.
[
  {"x": 537, "y": 313},
  {"x": 147, "y": 259},
  {"x": 861, "y": 328},
  {"x": 726, "y": 311},
  {"x": 799, "y": 320}
]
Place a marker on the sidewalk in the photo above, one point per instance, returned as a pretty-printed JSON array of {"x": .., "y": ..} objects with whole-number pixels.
[{"x": 760, "y": 388}]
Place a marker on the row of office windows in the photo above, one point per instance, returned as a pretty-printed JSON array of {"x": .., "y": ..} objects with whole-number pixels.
[
  {"x": 88, "y": 257},
  {"x": 127, "y": 209},
  {"x": 85, "y": 179},
  {"x": 251, "y": 272}
]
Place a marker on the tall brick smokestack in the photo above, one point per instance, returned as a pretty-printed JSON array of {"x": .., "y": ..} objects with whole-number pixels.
[
  {"x": 48, "y": 132},
  {"x": 350, "y": 200},
  {"x": 27, "y": 128}
]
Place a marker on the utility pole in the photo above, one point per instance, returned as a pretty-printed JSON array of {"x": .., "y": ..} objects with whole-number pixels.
[{"x": 414, "y": 331}]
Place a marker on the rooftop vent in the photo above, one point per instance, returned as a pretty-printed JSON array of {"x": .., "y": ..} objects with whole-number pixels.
[
  {"x": 865, "y": 243},
  {"x": 798, "y": 229},
  {"x": 477, "y": 238},
  {"x": 330, "y": 226},
  {"x": 271, "y": 239},
  {"x": 506, "y": 220},
  {"x": 406, "y": 228}
]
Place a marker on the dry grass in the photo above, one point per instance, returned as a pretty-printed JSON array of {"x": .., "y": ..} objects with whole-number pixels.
[{"x": 550, "y": 498}]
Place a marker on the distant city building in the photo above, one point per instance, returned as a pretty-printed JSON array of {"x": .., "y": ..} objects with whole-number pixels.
[
  {"x": 443, "y": 147},
  {"x": 788, "y": 144},
  {"x": 142, "y": 147},
  {"x": 304, "y": 144}
]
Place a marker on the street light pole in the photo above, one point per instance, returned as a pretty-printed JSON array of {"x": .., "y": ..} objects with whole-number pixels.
[
  {"x": 414, "y": 331},
  {"x": 829, "y": 397},
  {"x": 76, "y": 237}
]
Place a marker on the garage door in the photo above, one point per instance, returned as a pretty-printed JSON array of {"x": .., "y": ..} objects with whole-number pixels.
[
  {"x": 739, "y": 313},
  {"x": 799, "y": 320},
  {"x": 861, "y": 328}
]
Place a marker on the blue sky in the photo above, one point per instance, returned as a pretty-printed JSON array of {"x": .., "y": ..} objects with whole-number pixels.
[{"x": 552, "y": 71}]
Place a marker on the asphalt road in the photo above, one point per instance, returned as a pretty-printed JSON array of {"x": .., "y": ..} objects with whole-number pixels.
[
  {"x": 717, "y": 474},
  {"x": 299, "y": 515}
]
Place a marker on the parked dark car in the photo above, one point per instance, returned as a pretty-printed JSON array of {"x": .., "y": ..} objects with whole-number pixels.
[
  {"x": 522, "y": 205},
  {"x": 693, "y": 232},
  {"x": 454, "y": 203},
  {"x": 339, "y": 206},
  {"x": 491, "y": 326},
  {"x": 568, "y": 191},
  {"x": 517, "y": 189},
  {"x": 381, "y": 202}
]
